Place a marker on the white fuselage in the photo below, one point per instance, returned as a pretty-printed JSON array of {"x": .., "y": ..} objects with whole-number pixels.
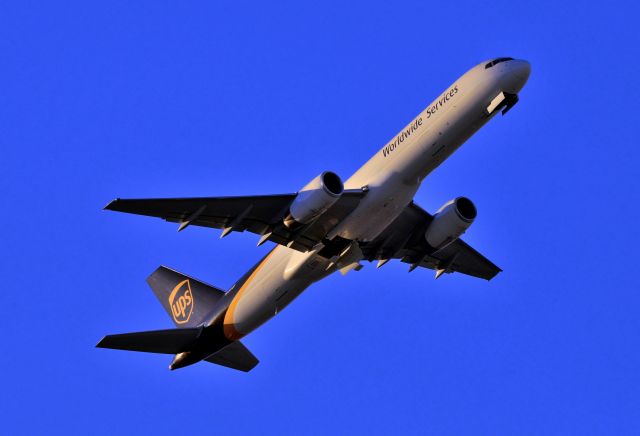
[{"x": 392, "y": 176}]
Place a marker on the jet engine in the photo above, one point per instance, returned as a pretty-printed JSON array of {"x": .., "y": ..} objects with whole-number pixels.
[
  {"x": 314, "y": 199},
  {"x": 450, "y": 222}
]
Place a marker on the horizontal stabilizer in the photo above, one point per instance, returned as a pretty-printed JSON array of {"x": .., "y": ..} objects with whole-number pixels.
[
  {"x": 170, "y": 341},
  {"x": 235, "y": 356}
]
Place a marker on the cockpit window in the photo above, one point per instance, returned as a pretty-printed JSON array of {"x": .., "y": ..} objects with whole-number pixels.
[{"x": 497, "y": 61}]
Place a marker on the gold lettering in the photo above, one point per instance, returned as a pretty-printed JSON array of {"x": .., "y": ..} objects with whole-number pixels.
[
  {"x": 182, "y": 304},
  {"x": 175, "y": 310}
]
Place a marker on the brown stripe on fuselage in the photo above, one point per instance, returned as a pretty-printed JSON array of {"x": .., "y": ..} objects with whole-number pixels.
[{"x": 228, "y": 324}]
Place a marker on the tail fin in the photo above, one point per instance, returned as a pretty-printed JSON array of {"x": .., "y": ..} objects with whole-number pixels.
[
  {"x": 187, "y": 300},
  {"x": 171, "y": 341}
]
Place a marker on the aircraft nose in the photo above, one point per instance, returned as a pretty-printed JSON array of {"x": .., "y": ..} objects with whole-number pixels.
[
  {"x": 517, "y": 75},
  {"x": 522, "y": 69}
]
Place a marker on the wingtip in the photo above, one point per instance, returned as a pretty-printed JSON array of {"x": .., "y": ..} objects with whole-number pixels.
[
  {"x": 110, "y": 205},
  {"x": 493, "y": 276},
  {"x": 249, "y": 368},
  {"x": 100, "y": 342}
]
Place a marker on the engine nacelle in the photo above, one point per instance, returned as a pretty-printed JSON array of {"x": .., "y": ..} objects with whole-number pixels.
[
  {"x": 450, "y": 222},
  {"x": 314, "y": 199}
]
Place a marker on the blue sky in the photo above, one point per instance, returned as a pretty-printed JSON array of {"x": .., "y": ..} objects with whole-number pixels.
[{"x": 156, "y": 99}]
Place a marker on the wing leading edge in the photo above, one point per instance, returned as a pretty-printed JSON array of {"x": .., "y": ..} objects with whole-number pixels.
[{"x": 260, "y": 214}]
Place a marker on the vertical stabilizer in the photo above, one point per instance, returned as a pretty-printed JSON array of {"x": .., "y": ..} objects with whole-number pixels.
[{"x": 187, "y": 301}]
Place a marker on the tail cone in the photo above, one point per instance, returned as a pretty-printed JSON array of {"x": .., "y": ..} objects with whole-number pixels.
[{"x": 181, "y": 360}]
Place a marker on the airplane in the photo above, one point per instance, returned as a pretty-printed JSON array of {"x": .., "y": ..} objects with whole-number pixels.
[{"x": 327, "y": 226}]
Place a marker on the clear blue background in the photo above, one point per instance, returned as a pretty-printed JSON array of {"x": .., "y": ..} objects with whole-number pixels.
[{"x": 158, "y": 99}]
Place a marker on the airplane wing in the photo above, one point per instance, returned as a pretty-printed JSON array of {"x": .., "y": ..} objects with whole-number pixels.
[
  {"x": 262, "y": 214},
  {"x": 404, "y": 240}
]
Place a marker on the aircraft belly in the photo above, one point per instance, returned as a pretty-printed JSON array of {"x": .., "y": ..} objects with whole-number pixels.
[
  {"x": 383, "y": 205},
  {"x": 268, "y": 292},
  {"x": 392, "y": 183}
]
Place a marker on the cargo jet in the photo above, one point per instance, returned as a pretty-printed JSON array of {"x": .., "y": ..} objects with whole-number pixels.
[{"x": 327, "y": 226}]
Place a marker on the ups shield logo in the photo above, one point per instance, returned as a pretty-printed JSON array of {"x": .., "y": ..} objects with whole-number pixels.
[{"x": 181, "y": 302}]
